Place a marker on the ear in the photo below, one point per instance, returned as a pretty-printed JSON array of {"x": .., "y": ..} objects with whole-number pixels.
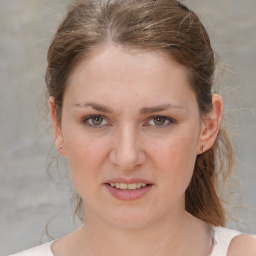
[
  {"x": 210, "y": 125},
  {"x": 58, "y": 138}
]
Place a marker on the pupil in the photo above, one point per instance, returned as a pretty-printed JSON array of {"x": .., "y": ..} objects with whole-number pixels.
[
  {"x": 159, "y": 120},
  {"x": 97, "y": 120}
]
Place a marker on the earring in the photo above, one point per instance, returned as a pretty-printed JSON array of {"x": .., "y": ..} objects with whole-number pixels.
[{"x": 202, "y": 148}]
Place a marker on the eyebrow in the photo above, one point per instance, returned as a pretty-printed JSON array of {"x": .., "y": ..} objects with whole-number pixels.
[
  {"x": 162, "y": 107},
  {"x": 145, "y": 110},
  {"x": 95, "y": 106}
]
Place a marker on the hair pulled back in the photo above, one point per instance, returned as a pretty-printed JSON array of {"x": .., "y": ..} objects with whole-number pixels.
[{"x": 165, "y": 25}]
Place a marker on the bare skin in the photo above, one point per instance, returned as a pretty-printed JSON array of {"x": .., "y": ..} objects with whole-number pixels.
[
  {"x": 242, "y": 245},
  {"x": 197, "y": 242},
  {"x": 133, "y": 116}
]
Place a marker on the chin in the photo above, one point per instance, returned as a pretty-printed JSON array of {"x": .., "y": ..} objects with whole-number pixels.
[{"x": 130, "y": 219}]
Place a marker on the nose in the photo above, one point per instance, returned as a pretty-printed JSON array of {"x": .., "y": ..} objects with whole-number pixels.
[{"x": 127, "y": 152}]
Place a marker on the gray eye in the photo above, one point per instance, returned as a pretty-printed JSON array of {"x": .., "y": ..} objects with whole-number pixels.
[
  {"x": 159, "y": 120},
  {"x": 97, "y": 120}
]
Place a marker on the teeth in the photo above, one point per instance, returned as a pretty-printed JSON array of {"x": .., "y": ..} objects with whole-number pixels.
[
  {"x": 128, "y": 186},
  {"x": 123, "y": 186},
  {"x": 132, "y": 186}
]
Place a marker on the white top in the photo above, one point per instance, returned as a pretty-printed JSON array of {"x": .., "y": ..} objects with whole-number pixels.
[
  {"x": 41, "y": 250},
  {"x": 222, "y": 239}
]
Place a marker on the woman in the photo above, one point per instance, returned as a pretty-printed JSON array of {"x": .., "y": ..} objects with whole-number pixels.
[{"x": 130, "y": 96}]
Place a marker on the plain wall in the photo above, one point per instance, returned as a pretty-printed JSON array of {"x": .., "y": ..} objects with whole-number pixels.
[{"x": 28, "y": 197}]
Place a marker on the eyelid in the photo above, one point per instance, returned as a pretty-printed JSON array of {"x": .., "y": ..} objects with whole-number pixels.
[
  {"x": 86, "y": 118},
  {"x": 171, "y": 120}
]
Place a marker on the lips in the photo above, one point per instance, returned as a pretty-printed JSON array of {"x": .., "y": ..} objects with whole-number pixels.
[
  {"x": 128, "y": 181},
  {"x": 128, "y": 194}
]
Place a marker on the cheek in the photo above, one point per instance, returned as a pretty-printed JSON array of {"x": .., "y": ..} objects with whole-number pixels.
[
  {"x": 175, "y": 159},
  {"x": 85, "y": 163},
  {"x": 86, "y": 156}
]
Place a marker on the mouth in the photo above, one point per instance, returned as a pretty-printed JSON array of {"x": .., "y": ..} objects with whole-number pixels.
[
  {"x": 131, "y": 186},
  {"x": 125, "y": 191}
]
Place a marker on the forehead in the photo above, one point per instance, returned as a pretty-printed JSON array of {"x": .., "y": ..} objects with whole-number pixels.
[{"x": 143, "y": 73}]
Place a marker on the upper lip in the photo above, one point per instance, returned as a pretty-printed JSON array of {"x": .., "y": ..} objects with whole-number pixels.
[{"x": 128, "y": 180}]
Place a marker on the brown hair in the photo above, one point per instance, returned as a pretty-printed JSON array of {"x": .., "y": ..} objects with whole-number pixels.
[{"x": 165, "y": 25}]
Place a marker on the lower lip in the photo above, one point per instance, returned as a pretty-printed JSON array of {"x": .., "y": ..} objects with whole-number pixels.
[{"x": 128, "y": 194}]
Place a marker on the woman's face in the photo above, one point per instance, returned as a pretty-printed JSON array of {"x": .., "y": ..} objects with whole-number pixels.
[{"x": 130, "y": 119}]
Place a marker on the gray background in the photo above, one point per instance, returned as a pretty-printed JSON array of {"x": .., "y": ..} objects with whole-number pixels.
[{"x": 29, "y": 199}]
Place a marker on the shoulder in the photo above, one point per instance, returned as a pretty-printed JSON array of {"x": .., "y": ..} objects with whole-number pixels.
[
  {"x": 41, "y": 250},
  {"x": 242, "y": 245}
]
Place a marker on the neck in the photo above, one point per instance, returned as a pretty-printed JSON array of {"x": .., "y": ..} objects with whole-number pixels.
[{"x": 175, "y": 234}]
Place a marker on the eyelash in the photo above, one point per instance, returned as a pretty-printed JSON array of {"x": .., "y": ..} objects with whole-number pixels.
[
  {"x": 85, "y": 121},
  {"x": 171, "y": 121}
]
